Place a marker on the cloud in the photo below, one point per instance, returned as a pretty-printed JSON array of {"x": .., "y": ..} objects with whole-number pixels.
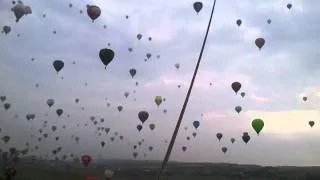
[{"x": 259, "y": 99}]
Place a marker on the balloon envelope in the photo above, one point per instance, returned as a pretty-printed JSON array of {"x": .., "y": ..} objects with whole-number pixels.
[
  {"x": 224, "y": 149},
  {"x": 197, "y": 6},
  {"x": 196, "y": 124},
  {"x": 132, "y": 72},
  {"x": 93, "y": 12},
  {"x": 311, "y": 123},
  {"x": 6, "y": 29},
  {"x": 238, "y": 109},
  {"x": 158, "y": 100},
  {"x": 239, "y": 22},
  {"x": 50, "y": 102},
  {"x": 58, "y": 65},
  {"x": 18, "y": 10},
  {"x": 106, "y": 56},
  {"x": 143, "y": 116},
  {"x": 257, "y": 125},
  {"x": 259, "y": 42},
  {"x": 236, "y": 86},
  {"x": 86, "y": 159},
  {"x": 219, "y": 136}
]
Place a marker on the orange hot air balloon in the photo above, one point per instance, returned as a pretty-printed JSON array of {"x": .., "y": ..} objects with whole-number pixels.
[{"x": 86, "y": 159}]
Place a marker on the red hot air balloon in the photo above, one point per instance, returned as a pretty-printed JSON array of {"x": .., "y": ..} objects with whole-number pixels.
[{"x": 86, "y": 159}]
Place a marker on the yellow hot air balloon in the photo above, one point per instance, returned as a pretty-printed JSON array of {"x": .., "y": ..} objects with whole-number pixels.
[
  {"x": 152, "y": 126},
  {"x": 158, "y": 100}
]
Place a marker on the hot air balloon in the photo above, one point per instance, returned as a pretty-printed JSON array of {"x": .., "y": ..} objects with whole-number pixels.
[
  {"x": 106, "y": 56},
  {"x": 236, "y": 86},
  {"x": 289, "y": 6},
  {"x": 76, "y": 100},
  {"x": 70, "y": 5},
  {"x": 239, "y": 22},
  {"x": 5, "y": 139},
  {"x": 311, "y": 123},
  {"x": 257, "y": 125},
  {"x": 152, "y": 126},
  {"x": 150, "y": 148},
  {"x": 7, "y": 106},
  {"x": 54, "y": 128},
  {"x": 103, "y": 143},
  {"x": 3, "y": 98},
  {"x": 139, "y": 127},
  {"x": 50, "y": 102},
  {"x": 143, "y": 116},
  {"x": 120, "y": 108},
  {"x": 196, "y": 124},
  {"x": 6, "y": 29},
  {"x": 59, "y": 112},
  {"x": 188, "y": 138},
  {"x": 139, "y": 36},
  {"x": 27, "y": 10},
  {"x": 184, "y": 148},
  {"x": 246, "y": 137},
  {"x": 158, "y": 100},
  {"x": 130, "y": 49},
  {"x": 194, "y": 134},
  {"x": 224, "y": 149},
  {"x": 197, "y": 6},
  {"x": 232, "y": 140},
  {"x": 86, "y": 159},
  {"x": 148, "y": 55},
  {"x": 58, "y": 65},
  {"x": 269, "y": 21},
  {"x": 243, "y": 94},
  {"x": 177, "y": 65},
  {"x": 132, "y": 72},
  {"x": 238, "y": 109},
  {"x": 305, "y": 98},
  {"x": 259, "y": 42},
  {"x": 135, "y": 154},
  {"x": 18, "y": 10},
  {"x": 108, "y": 174},
  {"x": 45, "y": 135},
  {"x": 107, "y": 130},
  {"x": 219, "y": 136},
  {"x": 93, "y": 12}
]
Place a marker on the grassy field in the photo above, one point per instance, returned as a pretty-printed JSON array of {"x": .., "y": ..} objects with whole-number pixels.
[{"x": 140, "y": 170}]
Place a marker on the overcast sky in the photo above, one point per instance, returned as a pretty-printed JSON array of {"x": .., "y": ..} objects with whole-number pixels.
[{"x": 274, "y": 79}]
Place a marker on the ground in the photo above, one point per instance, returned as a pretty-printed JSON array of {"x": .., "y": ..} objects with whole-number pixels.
[{"x": 148, "y": 170}]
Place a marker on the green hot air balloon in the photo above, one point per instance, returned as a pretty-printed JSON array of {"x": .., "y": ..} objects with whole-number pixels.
[{"x": 257, "y": 125}]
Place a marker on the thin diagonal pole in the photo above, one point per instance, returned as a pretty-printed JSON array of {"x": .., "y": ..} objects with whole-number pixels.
[{"x": 175, "y": 133}]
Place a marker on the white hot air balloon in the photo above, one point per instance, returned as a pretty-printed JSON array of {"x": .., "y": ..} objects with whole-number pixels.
[{"x": 108, "y": 174}]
